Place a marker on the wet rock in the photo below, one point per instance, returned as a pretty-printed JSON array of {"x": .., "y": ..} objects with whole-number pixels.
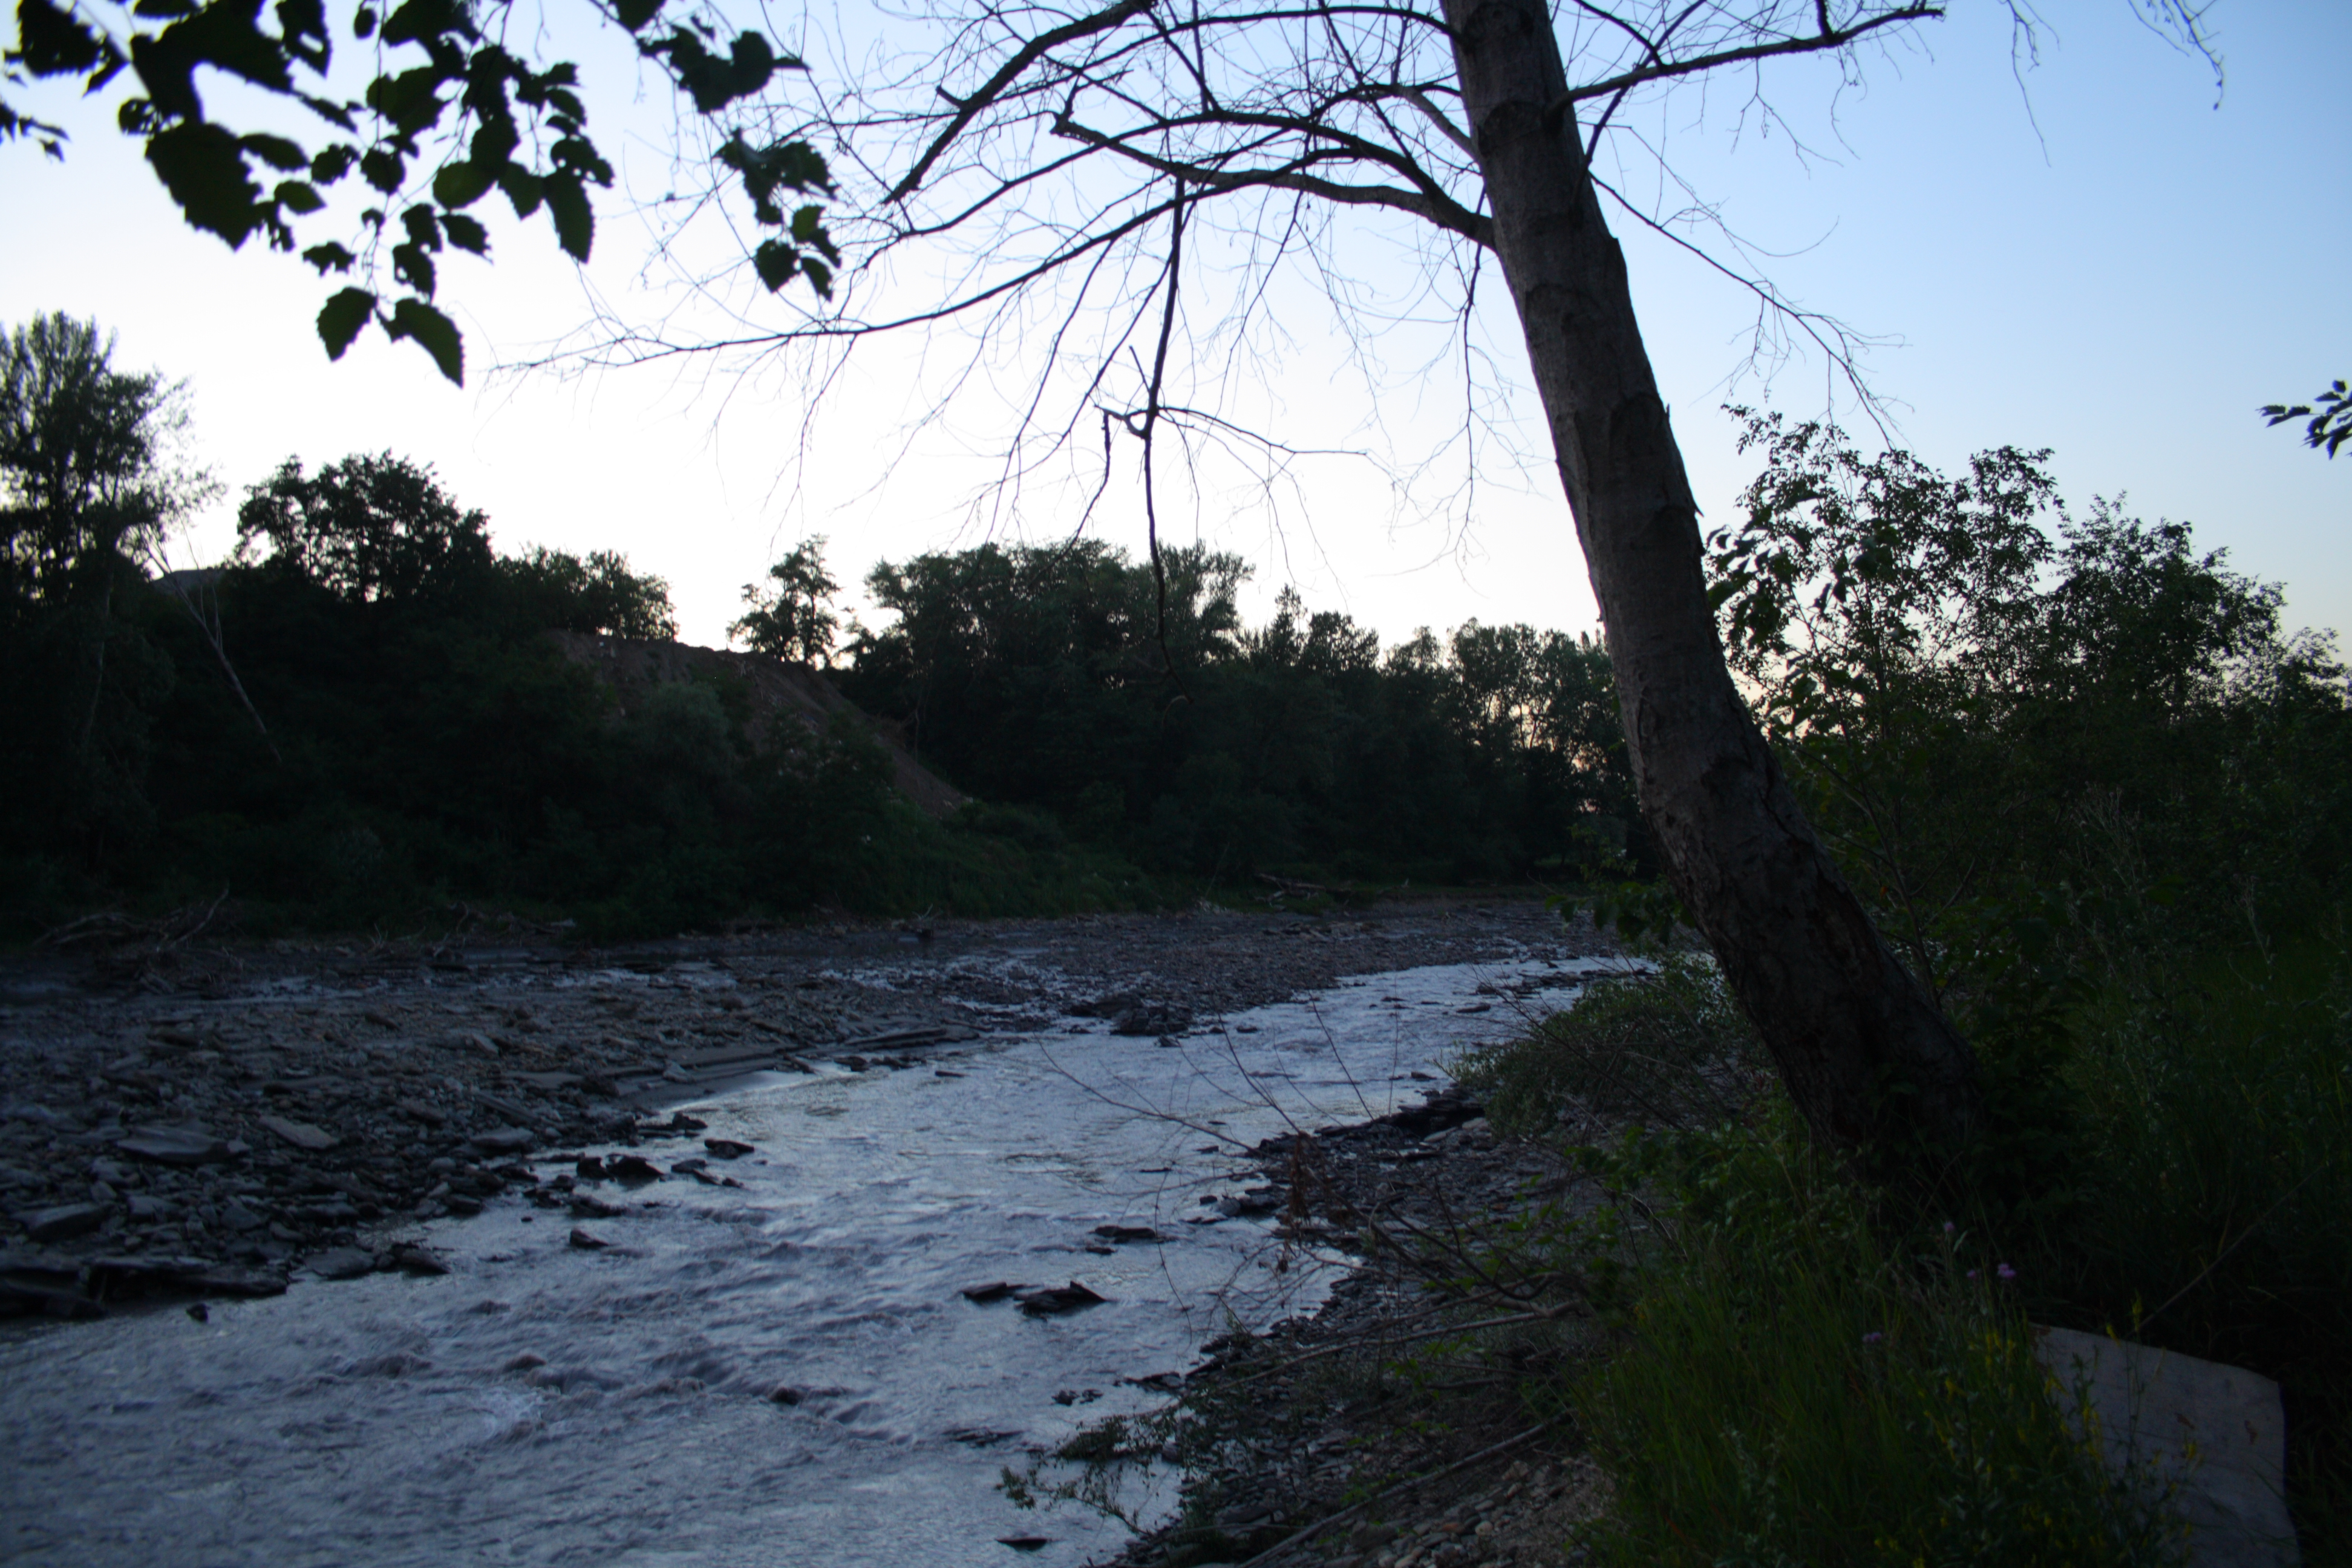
[
  {"x": 410, "y": 1258},
  {"x": 341, "y": 1263},
  {"x": 587, "y": 1205},
  {"x": 1025, "y": 1543},
  {"x": 978, "y": 1436},
  {"x": 528, "y": 1361},
  {"x": 726, "y": 1148},
  {"x": 633, "y": 1168},
  {"x": 200, "y": 1312},
  {"x": 65, "y": 1221},
  {"x": 1054, "y": 1300},
  {"x": 590, "y": 1168},
  {"x": 784, "y": 1393},
  {"x": 586, "y": 1242},
  {"x": 984, "y": 1294},
  {"x": 301, "y": 1134},
  {"x": 1128, "y": 1233},
  {"x": 503, "y": 1141},
  {"x": 228, "y": 1280},
  {"x": 182, "y": 1146}
]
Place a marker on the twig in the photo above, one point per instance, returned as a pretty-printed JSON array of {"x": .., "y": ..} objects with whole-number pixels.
[
  {"x": 1441, "y": 1331},
  {"x": 1320, "y": 1526}
]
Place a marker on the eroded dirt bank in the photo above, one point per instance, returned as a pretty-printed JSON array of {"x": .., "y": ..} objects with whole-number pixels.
[{"x": 208, "y": 1120}]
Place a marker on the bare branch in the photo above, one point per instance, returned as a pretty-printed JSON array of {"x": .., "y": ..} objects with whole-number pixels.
[
  {"x": 969, "y": 109},
  {"x": 1828, "y": 40}
]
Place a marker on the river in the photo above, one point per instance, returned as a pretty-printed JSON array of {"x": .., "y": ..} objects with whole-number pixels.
[{"x": 546, "y": 1403}]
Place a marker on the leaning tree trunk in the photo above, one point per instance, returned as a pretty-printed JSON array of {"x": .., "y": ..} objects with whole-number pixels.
[{"x": 1866, "y": 1055}]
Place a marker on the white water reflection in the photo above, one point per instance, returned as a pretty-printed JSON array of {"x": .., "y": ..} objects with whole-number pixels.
[{"x": 549, "y": 1405}]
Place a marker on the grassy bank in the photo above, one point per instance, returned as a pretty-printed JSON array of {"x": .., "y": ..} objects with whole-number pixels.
[{"x": 1802, "y": 1369}]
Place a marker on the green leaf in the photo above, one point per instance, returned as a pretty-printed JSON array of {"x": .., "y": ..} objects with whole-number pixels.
[
  {"x": 423, "y": 229},
  {"x": 301, "y": 198},
  {"x": 341, "y": 319},
  {"x": 413, "y": 265},
  {"x": 384, "y": 168},
  {"x": 202, "y": 166},
  {"x": 276, "y": 152},
  {"x": 575, "y": 221},
  {"x": 411, "y": 100},
  {"x": 775, "y": 262},
  {"x": 420, "y": 20},
  {"x": 437, "y": 332},
  {"x": 637, "y": 14},
  {"x": 523, "y": 189},
  {"x": 334, "y": 163},
  {"x": 51, "y": 42},
  {"x": 465, "y": 234},
  {"x": 461, "y": 185},
  {"x": 363, "y": 22},
  {"x": 330, "y": 257}
]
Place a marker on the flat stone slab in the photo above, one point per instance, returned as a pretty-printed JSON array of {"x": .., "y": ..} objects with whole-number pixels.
[
  {"x": 174, "y": 1145},
  {"x": 65, "y": 1221},
  {"x": 504, "y": 1140},
  {"x": 341, "y": 1263},
  {"x": 301, "y": 1134},
  {"x": 2216, "y": 1434}
]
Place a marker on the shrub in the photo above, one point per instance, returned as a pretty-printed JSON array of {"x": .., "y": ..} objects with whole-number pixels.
[
  {"x": 1792, "y": 1389},
  {"x": 1665, "y": 1045}
]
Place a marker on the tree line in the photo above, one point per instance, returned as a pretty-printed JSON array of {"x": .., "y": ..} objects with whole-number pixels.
[{"x": 362, "y": 714}]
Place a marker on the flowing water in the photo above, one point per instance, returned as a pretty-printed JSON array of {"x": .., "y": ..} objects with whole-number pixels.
[{"x": 543, "y": 1404}]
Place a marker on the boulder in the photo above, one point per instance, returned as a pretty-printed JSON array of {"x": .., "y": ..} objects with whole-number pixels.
[{"x": 2216, "y": 1434}]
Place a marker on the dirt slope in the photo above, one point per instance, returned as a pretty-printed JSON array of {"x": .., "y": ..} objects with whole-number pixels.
[{"x": 780, "y": 691}]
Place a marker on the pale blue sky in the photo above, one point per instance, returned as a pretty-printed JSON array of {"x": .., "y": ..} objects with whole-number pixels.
[{"x": 2103, "y": 263}]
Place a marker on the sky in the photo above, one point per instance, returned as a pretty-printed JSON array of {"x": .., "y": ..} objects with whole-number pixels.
[{"x": 2104, "y": 255}]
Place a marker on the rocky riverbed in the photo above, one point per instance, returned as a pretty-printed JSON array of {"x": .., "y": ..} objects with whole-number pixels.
[
  {"x": 206, "y": 1122},
  {"x": 1310, "y": 1449},
  {"x": 195, "y": 1126}
]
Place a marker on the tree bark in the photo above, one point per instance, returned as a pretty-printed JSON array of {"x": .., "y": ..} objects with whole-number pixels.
[{"x": 1867, "y": 1056}]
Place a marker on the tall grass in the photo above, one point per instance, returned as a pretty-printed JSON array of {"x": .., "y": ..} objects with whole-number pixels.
[
  {"x": 1809, "y": 1373},
  {"x": 1792, "y": 1390},
  {"x": 2215, "y": 1211}
]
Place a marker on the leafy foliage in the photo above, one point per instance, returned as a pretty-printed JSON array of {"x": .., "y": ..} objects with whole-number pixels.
[
  {"x": 450, "y": 115},
  {"x": 85, "y": 464},
  {"x": 1667, "y": 1047},
  {"x": 600, "y": 594},
  {"x": 1794, "y": 1388},
  {"x": 88, "y": 478},
  {"x": 1045, "y": 678},
  {"x": 790, "y": 617},
  {"x": 1978, "y": 712},
  {"x": 2330, "y": 416},
  {"x": 364, "y": 529}
]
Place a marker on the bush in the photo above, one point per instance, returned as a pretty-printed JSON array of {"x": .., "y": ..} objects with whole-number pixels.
[
  {"x": 1667, "y": 1047},
  {"x": 2216, "y": 1211},
  {"x": 1792, "y": 1389}
]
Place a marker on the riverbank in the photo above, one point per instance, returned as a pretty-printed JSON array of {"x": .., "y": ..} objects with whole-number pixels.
[
  {"x": 209, "y": 1120},
  {"x": 1384, "y": 1431}
]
